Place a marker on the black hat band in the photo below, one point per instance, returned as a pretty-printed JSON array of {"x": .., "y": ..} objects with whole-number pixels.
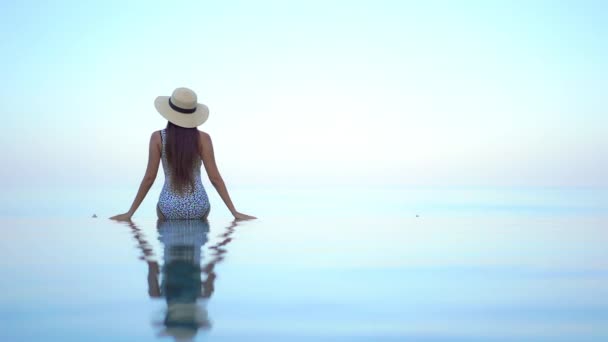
[{"x": 180, "y": 109}]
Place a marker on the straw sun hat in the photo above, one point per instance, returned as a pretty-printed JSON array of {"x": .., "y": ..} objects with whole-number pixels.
[{"x": 182, "y": 108}]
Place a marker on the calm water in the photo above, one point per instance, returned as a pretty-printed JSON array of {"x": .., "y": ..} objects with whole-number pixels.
[{"x": 346, "y": 264}]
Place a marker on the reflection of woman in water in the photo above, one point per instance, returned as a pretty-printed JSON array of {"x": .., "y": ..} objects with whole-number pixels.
[
  {"x": 181, "y": 284},
  {"x": 182, "y": 148}
]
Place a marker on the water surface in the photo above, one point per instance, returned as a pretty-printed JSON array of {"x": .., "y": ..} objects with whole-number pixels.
[{"x": 349, "y": 264}]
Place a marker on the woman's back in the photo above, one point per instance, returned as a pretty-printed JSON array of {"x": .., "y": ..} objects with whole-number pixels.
[{"x": 190, "y": 203}]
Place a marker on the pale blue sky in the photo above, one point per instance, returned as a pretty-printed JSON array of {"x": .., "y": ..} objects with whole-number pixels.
[{"x": 311, "y": 92}]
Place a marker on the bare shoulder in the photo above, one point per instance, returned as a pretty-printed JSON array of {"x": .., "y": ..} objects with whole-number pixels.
[
  {"x": 204, "y": 137},
  {"x": 156, "y": 141},
  {"x": 205, "y": 146},
  {"x": 155, "y": 138}
]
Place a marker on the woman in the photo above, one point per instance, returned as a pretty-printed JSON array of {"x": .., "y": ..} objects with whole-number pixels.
[{"x": 182, "y": 147}]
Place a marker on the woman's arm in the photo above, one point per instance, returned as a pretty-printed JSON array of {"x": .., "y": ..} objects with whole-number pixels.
[
  {"x": 148, "y": 180},
  {"x": 208, "y": 157}
]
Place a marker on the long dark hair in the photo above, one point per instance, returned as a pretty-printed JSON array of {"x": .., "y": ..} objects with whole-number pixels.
[{"x": 182, "y": 155}]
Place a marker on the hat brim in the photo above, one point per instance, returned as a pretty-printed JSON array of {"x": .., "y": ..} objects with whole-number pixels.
[{"x": 181, "y": 119}]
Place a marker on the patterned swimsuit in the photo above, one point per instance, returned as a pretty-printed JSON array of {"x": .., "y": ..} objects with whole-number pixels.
[{"x": 190, "y": 205}]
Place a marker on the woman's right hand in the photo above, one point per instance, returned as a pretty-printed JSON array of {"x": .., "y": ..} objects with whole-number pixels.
[{"x": 241, "y": 216}]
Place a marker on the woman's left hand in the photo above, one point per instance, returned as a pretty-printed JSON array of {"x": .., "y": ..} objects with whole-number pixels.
[
  {"x": 122, "y": 217},
  {"x": 241, "y": 216}
]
